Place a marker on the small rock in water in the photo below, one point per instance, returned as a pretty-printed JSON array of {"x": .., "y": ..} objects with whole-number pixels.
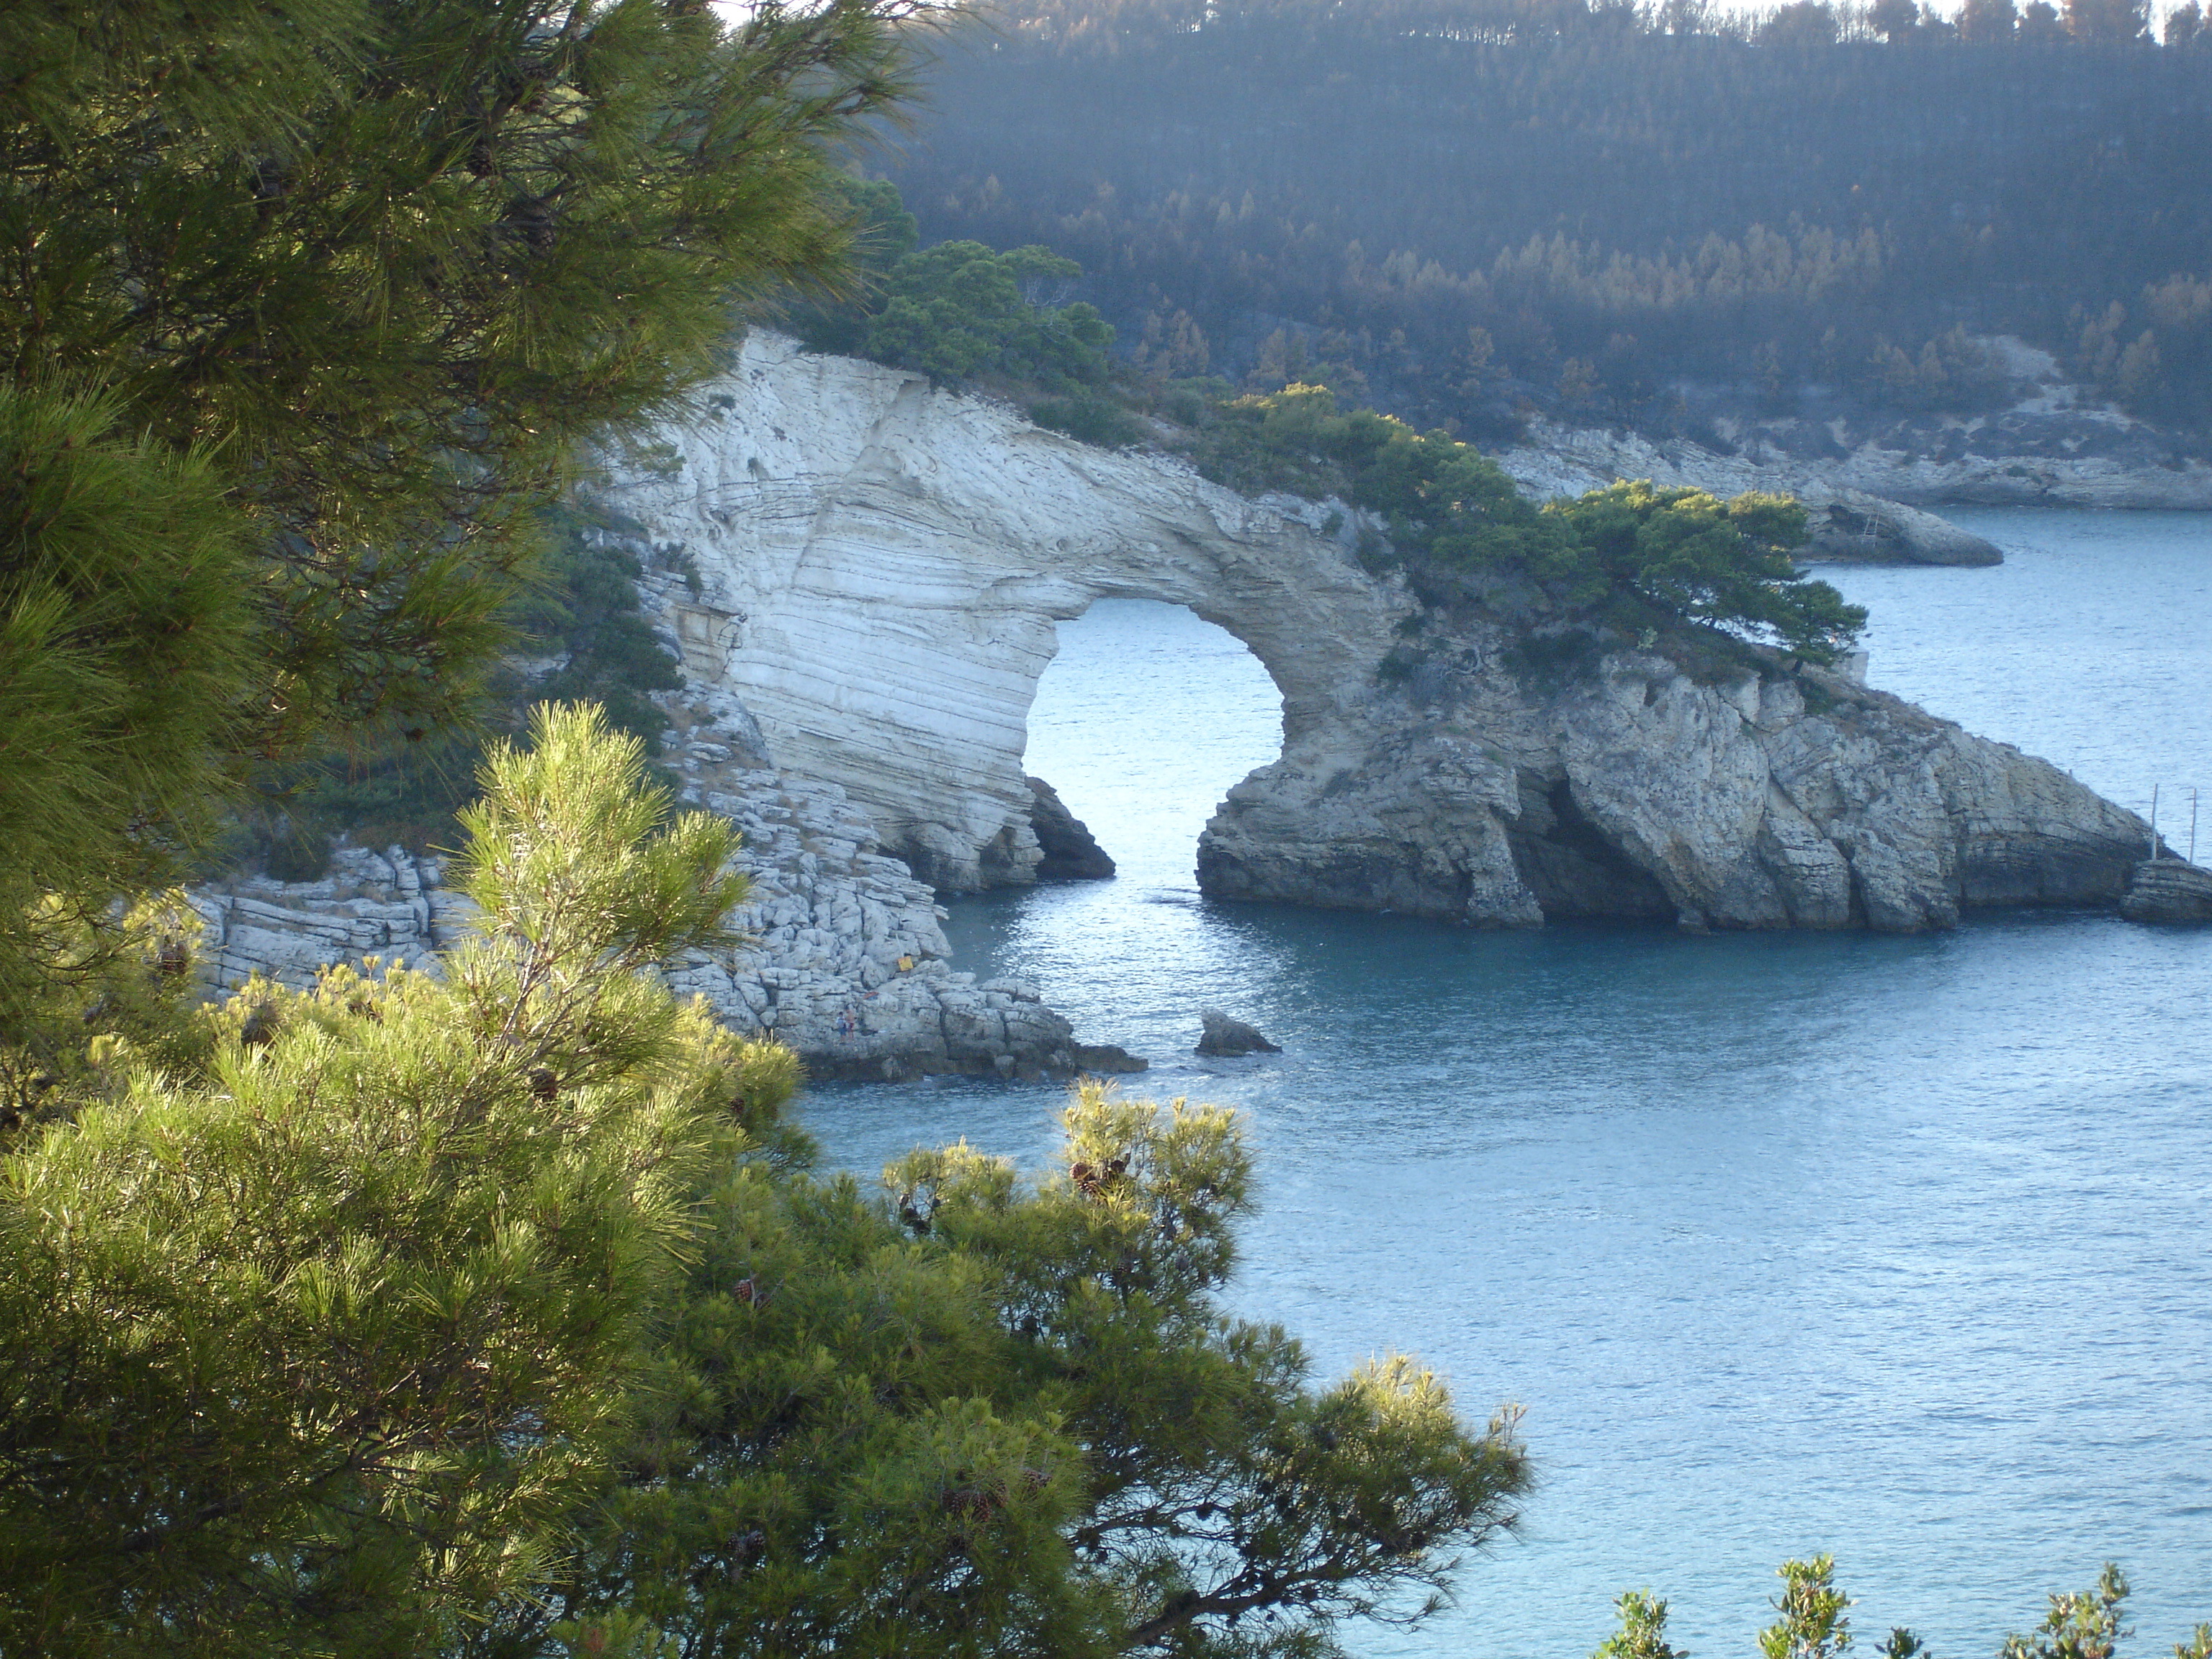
[
  {"x": 1103, "y": 1057},
  {"x": 1224, "y": 1036}
]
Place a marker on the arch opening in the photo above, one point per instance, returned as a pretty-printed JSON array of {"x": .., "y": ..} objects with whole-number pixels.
[{"x": 1145, "y": 716}]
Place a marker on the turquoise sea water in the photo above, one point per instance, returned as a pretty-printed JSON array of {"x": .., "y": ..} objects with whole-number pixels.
[{"x": 1898, "y": 1248}]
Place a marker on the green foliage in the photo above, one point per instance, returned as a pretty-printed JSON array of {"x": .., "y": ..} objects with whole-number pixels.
[
  {"x": 1631, "y": 555},
  {"x": 124, "y": 662},
  {"x": 960, "y": 310},
  {"x": 1689, "y": 554},
  {"x": 1642, "y": 1633},
  {"x": 1240, "y": 183},
  {"x": 1094, "y": 420},
  {"x": 304, "y": 311},
  {"x": 1816, "y": 1621},
  {"x": 981, "y": 1416},
  {"x": 314, "y": 1327},
  {"x": 578, "y": 615},
  {"x": 2085, "y": 1625},
  {"x": 883, "y": 232},
  {"x": 584, "y": 609}
]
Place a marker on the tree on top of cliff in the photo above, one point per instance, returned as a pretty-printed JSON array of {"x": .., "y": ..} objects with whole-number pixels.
[
  {"x": 301, "y": 309},
  {"x": 1629, "y": 554},
  {"x": 1692, "y": 555},
  {"x": 958, "y": 310}
]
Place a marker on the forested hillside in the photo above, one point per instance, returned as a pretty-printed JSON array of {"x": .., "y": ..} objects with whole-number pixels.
[{"x": 1467, "y": 209}]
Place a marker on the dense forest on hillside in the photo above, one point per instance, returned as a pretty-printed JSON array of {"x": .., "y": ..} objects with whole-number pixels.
[{"x": 1465, "y": 210}]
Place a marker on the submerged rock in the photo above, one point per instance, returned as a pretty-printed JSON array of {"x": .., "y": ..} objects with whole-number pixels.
[
  {"x": 1107, "y": 1059},
  {"x": 1222, "y": 1037},
  {"x": 1070, "y": 852}
]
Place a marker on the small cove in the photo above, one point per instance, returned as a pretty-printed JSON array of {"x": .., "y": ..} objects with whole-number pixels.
[{"x": 1892, "y": 1247}]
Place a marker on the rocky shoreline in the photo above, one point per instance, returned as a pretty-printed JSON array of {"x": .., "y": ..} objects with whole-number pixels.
[
  {"x": 1875, "y": 483},
  {"x": 844, "y": 960},
  {"x": 862, "y": 572}
]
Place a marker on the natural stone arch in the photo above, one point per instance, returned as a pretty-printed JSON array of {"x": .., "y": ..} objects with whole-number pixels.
[
  {"x": 881, "y": 566},
  {"x": 876, "y": 568}
]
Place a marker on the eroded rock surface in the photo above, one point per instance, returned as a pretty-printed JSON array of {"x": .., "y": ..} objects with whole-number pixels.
[
  {"x": 878, "y": 567},
  {"x": 845, "y": 961},
  {"x": 1220, "y": 1037},
  {"x": 1630, "y": 789},
  {"x": 1067, "y": 850},
  {"x": 2168, "y": 890}
]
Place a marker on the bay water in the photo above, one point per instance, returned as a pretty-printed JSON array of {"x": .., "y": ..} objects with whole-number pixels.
[{"x": 1898, "y": 1248}]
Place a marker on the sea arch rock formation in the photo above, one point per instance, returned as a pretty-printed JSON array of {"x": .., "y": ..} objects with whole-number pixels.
[
  {"x": 874, "y": 569},
  {"x": 880, "y": 566}
]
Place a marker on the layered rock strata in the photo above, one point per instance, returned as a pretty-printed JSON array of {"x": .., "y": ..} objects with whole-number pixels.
[
  {"x": 845, "y": 961},
  {"x": 880, "y": 565},
  {"x": 1634, "y": 790},
  {"x": 2168, "y": 890}
]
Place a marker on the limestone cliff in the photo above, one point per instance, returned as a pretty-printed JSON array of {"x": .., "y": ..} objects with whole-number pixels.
[
  {"x": 1634, "y": 790},
  {"x": 879, "y": 566},
  {"x": 843, "y": 959}
]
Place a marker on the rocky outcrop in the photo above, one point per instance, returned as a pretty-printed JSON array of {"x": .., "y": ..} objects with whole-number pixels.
[
  {"x": 844, "y": 959},
  {"x": 2057, "y": 444},
  {"x": 880, "y": 565},
  {"x": 1220, "y": 1037},
  {"x": 387, "y": 905},
  {"x": 1108, "y": 1060},
  {"x": 1635, "y": 790},
  {"x": 2168, "y": 890},
  {"x": 1067, "y": 850},
  {"x": 1845, "y": 523}
]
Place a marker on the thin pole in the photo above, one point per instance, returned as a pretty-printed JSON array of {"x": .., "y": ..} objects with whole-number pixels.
[
  {"x": 2154, "y": 821},
  {"x": 2192, "y": 825}
]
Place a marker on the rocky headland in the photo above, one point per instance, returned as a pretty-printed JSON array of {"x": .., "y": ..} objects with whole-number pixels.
[
  {"x": 862, "y": 573},
  {"x": 878, "y": 567},
  {"x": 1869, "y": 478}
]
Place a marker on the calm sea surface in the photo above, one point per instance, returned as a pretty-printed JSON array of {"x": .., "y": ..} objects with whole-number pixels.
[{"x": 1896, "y": 1247}]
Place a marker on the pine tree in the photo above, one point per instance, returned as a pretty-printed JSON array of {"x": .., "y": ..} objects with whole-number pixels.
[
  {"x": 977, "y": 1416},
  {"x": 312, "y": 1333},
  {"x": 302, "y": 308}
]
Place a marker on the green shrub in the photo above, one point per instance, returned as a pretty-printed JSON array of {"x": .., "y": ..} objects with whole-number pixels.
[{"x": 1091, "y": 419}]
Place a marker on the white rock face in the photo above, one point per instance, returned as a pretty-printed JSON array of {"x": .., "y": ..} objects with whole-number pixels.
[
  {"x": 1630, "y": 789},
  {"x": 845, "y": 961},
  {"x": 881, "y": 565},
  {"x": 387, "y": 905}
]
